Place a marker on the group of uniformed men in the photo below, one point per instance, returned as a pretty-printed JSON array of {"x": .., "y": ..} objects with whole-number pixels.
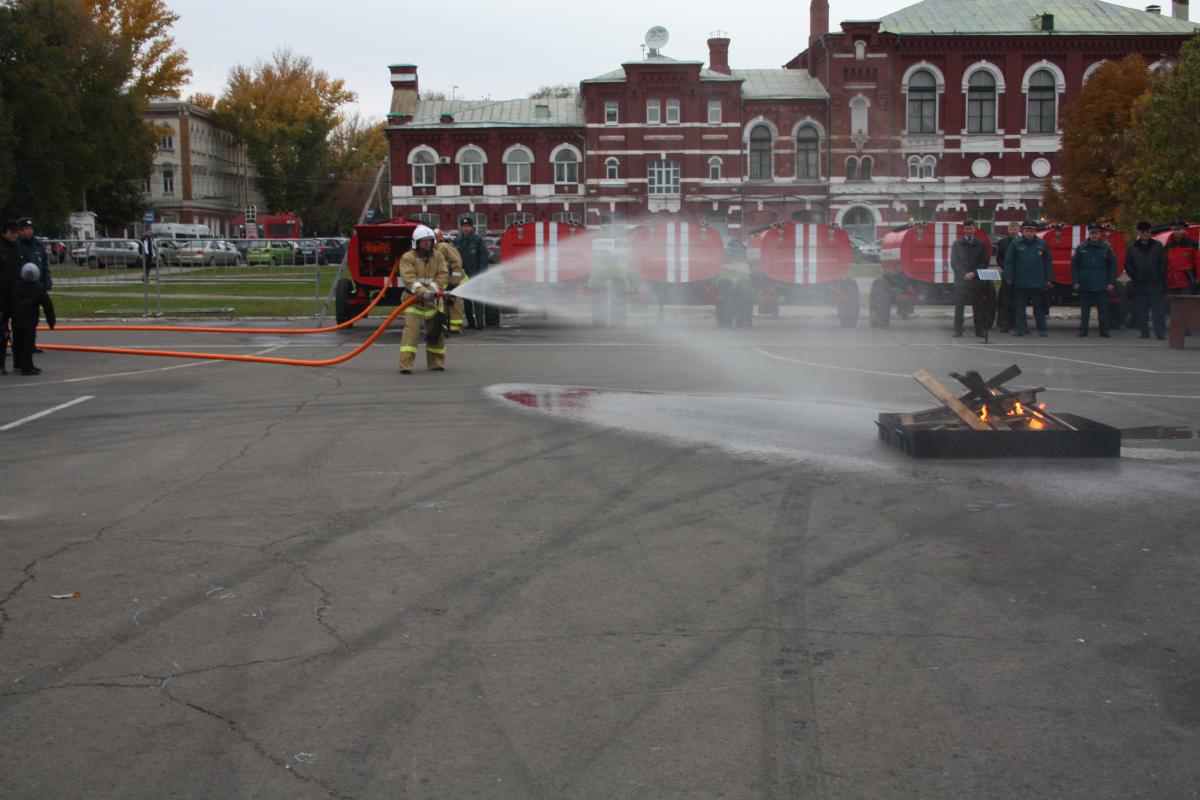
[
  {"x": 1154, "y": 271},
  {"x": 430, "y": 271}
]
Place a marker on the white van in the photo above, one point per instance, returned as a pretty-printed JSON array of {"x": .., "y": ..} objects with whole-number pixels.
[{"x": 175, "y": 230}]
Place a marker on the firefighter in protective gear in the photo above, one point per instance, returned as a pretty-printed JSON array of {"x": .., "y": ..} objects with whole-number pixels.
[
  {"x": 455, "y": 307},
  {"x": 424, "y": 273}
]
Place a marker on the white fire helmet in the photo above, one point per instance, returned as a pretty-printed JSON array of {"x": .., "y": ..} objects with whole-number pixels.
[{"x": 422, "y": 232}]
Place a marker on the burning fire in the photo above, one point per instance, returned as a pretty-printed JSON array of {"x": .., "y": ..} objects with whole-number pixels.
[{"x": 1030, "y": 416}]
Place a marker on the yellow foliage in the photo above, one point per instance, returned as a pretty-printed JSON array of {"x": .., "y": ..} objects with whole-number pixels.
[{"x": 143, "y": 29}]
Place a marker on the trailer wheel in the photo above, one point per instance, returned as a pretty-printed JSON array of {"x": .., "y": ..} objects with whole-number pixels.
[
  {"x": 341, "y": 300},
  {"x": 848, "y": 311},
  {"x": 879, "y": 304}
]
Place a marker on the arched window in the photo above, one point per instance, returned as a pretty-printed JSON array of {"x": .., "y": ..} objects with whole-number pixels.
[
  {"x": 914, "y": 166},
  {"x": 517, "y": 164},
  {"x": 859, "y": 110},
  {"x": 761, "y": 161},
  {"x": 852, "y": 169},
  {"x": 981, "y": 102},
  {"x": 860, "y": 222},
  {"x": 426, "y": 218},
  {"x": 866, "y": 167},
  {"x": 860, "y": 50},
  {"x": 714, "y": 169},
  {"x": 470, "y": 168},
  {"x": 808, "y": 146},
  {"x": 517, "y": 218},
  {"x": 566, "y": 167},
  {"x": 663, "y": 177},
  {"x": 612, "y": 169},
  {"x": 928, "y": 166},
  {"x": 922, "y": 102},
  {"x": 1043, "y": 103}
]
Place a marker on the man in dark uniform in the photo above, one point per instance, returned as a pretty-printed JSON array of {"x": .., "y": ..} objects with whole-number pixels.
[
  {"x": 1004, "y": 308},
  {"x": 12, "y": 257},
  {"x": 1146, "y": 266},
  {"x": 1094, "y": 275},
  {"x": 474, "y": 254},
  {"x": 35, "y": 253},
  {"x": 968, "y": 255},
  {"x": 1029, "y": 267}
]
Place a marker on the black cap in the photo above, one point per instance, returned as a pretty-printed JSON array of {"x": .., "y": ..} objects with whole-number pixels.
[
  {"x": 25, "y": 222},
  {"x": 1029, "y": 224},
  {"x": 467, "y": 221},
  {"x": 1144, "y": 226},
  {"x": 1095, "y": 226},
  {"x": 12, "y": 225},
  {"x": 1178, "y": 224}
]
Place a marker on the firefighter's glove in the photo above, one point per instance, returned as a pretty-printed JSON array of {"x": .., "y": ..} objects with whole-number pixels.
[
  {"x": 416, "y": 287},
  {"x": 430, "y": 294}
]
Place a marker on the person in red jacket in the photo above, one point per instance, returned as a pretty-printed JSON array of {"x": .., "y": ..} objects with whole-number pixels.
[{"x": 1183, "y": 260}]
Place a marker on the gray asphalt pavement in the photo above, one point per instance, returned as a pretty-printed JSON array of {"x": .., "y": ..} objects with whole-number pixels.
[{"x": 708, "y": 580}]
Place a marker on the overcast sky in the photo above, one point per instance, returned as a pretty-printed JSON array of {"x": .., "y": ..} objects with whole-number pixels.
[{"x": 474, "y": 49}]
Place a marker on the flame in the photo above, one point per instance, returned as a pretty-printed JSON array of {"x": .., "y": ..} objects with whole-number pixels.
[
  {"x": 984, "y": 414},
  {"x": 1018, "y": 409},
  {"x": 1036, "y": 424}
]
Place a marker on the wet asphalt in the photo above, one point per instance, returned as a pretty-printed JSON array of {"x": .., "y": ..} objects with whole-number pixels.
[{"x": 708, "y": 580}]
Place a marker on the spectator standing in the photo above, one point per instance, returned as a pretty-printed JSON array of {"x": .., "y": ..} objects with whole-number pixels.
[
  {"x": 474, "y": 255},
  {"x": 1183, "y": 259},
  {"x": 1029, "y": 267},
  {"x": 1094, "y": 275},
  {"x": 968, "y": 255},
  {"x": 1004, "y": 309},
  {"x": 35, "y": 253},
  {"x": 1146, "y": 266},
  {"x": 28, "y": 295},
  {"x": 149, "y": 253},
  {"x": 11, "y": 262}
]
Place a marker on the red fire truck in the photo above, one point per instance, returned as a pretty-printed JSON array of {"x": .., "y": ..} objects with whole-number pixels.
[
  {"x": 916, "y": 269},
  {"x": 370, "y": 255},
  {"x": 798, "y": 262},
  {"x": 269, "y": 226}
]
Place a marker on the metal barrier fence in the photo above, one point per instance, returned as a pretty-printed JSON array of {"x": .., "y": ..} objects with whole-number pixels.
[{"x": 200, "y": 270}]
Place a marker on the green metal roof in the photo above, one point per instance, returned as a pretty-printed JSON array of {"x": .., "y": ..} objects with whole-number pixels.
[
  {"x": 498, "y": 113},
  {"x": 1016, "y": 17},
  {"x": 780, "y": 84}
]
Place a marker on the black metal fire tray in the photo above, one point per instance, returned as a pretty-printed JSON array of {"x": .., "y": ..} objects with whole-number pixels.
[{"x": 1091, "y": 440}]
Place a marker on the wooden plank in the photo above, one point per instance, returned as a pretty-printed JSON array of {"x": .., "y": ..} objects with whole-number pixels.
[
  {"x": 1003, "y": 377},
  {"x": 950, "y": 401},
  {"x": 1026, "y": 396},
  {"x": 1047, "y": 416}
]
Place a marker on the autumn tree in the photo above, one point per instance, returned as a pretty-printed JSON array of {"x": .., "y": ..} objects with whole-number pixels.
[
  {"x": 357, "y": 148},
  {"x": 1095, "y": 142},
  {"x": 1158, "y": 180},
  {"x": 142, "y": 30},
  {"x": 203, "y": 100},
  {"x": 80, "y": 140},
  {"x": 552, "y": 91},
  {"x": 285, "y": 110}
]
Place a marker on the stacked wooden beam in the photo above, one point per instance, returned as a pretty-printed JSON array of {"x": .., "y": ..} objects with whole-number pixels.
[{"x": 987, "y": 405}]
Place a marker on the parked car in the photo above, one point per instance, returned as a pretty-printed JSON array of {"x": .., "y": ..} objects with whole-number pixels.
[
  {"x": 207, "y": 252},
  {"x": 103, "y": 253},
  {"x": 166, "y": 252},
  {"x": 272, "y": 252},
  {"x": 56, "y": 251},
  {"x": 331, "y": 251},
  {"x": 864, "y": 250},
  {"x": 493, "y": 247},
  {"x": 308, "y": 251}
]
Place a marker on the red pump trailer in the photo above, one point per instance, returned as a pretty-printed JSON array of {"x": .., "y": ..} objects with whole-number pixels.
[
  {"x": 799, "y": 262},
  {"x": 370, "y": 255},
  {"x": 916, "y": 269}
]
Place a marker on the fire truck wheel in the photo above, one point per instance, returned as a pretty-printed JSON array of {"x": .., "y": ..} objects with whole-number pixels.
[
  {"x": 341, "y": 300},
  {"x": 879, "y": 304},
  {"x": 848, "y": 310}
]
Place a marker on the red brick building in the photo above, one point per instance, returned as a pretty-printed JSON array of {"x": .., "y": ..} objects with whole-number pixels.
[{"x": 942, "y": 110}]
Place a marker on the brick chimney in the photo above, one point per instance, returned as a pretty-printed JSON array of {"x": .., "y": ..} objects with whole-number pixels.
[
  {"x": 818, "y": 20},
  {"x": 404, "y": 90},
  {"x": 718, "y": 53},
  {"x": 1179, "y": 10}
]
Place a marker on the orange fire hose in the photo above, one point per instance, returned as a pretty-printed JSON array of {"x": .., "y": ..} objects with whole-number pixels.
[
  {"x": 294, "y": 362},
  {"x": 192, "y": 329}
]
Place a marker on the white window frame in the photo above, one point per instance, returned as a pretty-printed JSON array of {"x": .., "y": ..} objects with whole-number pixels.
[
  {"x": 987, "y": 123},
  {"x": 470, "y": 172},
  {"x": 569, "y": 217},
  {"x": 517, "y": 218},
  {"x": 714, "y": 111},
  {"x": 653, "y": 112},
  {"x": 714, "y": 168},
  {"x": 521, "y": 158},
  {"x": 566, "y": 162},
  {"x": 852, "y": 168},
  {"x": 673, "y": 111},
  {"x": 612, "y": 112},
  {"x": 929, "y": 168},
  {"x": 662, "y": 177},
  {"x": 168, "y": 181},
  {"x": 612, "y": 169},
  {"x": 816, "y": 162},
  {"x": 424, "y": 172},
  {"x": 866, "y": 168}
]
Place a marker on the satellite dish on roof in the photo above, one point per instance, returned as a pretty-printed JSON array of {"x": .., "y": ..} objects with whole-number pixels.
[{"x": 656, "y": 39}]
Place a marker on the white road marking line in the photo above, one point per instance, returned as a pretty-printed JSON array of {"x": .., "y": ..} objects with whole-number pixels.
[
  {"x": 1080, "y": 361},
  {"x": 47, "y": 412},
  {"x": 762, "y": 352}
]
